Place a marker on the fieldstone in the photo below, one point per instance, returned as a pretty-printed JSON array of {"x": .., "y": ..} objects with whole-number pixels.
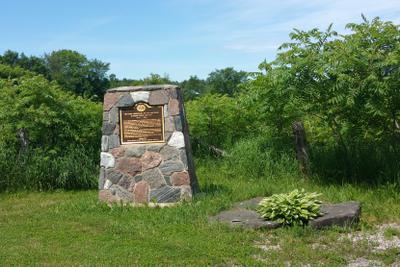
[
  {"x": 173, "y": 107},
  {"x": 121, "y": 193},
  {"x": 167, "y": 179},
  {"x": 158, "y": 98},
  {"x": 168, "y": 167},
  {"x": 102, "y": 177},
  {"x": 178, "y": 123},
  {"x": 244, "y": 218},
  {"x": 126, "y": 181},
  {"x": 155, "y": 147},
  {"x": 138, "y": 178},
  {"x": 108, "y": 128},
  {"x": 150, "y": 160},
  {"x": 141, "y": 192},
  {"x": 104, "y": 143},
  {"x": 125, "y": 101},
  {"x": 118, "y": 151},
  {"x": 113, "y": 141},
  {"x": 135, "y": 151},
  {"x": 153, "y": 177},
  {"x": 180, "y": 178},
  {"x": 186, "y": 193},
  {"x": 140, "y": 96},
  {"x": 107, "y": 160},
  {"x": 167, "y": 135},
  {"x": 166, "y": 114},
  {"x": 169, "y": 153},
  {"x": 166, "y": 194},
  {"x": 106, "y": 116},
  {"x": 169, "y": 125},
  {"x": 114, "y": 115},
  {"x": 116, "y": 130},
  {"x": 107, "y": 196},
  {"x": 107, "y": 184},
  {"x": 129, "y": 166},
  {"x": 173, "y": 93},
  {"x": 113, "y": 175},
  {"x": 342, "y": 214},
  {"x": 109, "y": 101},
  {"x": 183, "y": 157},
  {"x": 177, "y": 140}
]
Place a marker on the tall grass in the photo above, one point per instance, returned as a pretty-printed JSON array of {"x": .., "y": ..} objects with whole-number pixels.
[{"x": 74, "y": 168}]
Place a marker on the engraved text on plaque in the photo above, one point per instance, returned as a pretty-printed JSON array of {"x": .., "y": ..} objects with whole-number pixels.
[{"x": 142, "y": 124}]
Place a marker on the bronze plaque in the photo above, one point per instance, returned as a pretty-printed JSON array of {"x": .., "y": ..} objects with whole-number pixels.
[{"x": 142, "y": 124}]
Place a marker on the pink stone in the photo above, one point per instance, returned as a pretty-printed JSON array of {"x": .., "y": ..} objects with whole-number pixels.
[
  {"x": 150, "y": 160},
  {"x": 109, "y": 100},
  {"x": 106, "y": 196},
  {"x": 130, "y": 166},
  {"x": 118, "y": 152},
  {"x": 173, "y": 107},
  {"x": 180, "y": 178},
  {"x": 141, "y": 192}
]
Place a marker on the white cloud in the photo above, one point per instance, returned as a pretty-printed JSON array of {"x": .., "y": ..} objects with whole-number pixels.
[{"x": 257, "y": 26}]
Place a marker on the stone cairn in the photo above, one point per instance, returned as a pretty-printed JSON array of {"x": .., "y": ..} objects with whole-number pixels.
[{"x": 146, "y": 172}]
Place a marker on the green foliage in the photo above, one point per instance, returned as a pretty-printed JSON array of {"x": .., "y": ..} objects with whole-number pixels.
[
  {"x": 193, "y": 88},
  {"x": 75, "y": 73},
  {"x": 9, "y": 72},
  {"x": 214, "y": 122},
  {"x": 345, "y": 88},
  {"x": 294, "y": 208},
  {"x": 226, "y": 81},
  {"x": 62, "y": 134}
]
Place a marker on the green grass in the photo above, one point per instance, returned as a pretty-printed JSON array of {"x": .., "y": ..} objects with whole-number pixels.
[{"x": 70, "y": 228}]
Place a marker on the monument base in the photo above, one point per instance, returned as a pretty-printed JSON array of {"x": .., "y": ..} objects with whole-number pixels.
[{"x": 146, "y": 155}]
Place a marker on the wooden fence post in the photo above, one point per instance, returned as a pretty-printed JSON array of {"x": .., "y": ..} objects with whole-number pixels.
[{"x": 301, "y": 146}]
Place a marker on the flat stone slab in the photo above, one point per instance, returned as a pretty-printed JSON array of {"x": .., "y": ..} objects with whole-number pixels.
[
  {"x": 341, "y": 214},
  {"x": 244, "y": 214},
  {"x": 245, "y": 218}
]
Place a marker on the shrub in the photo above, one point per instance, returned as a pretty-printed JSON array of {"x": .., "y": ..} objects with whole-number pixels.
[{"x": 294, "y": 208}]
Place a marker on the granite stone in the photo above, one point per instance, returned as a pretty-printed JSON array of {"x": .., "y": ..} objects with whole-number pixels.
[
  {"x": 154, "y": 178},
  {"x": 113, "y": 141},
  {"x": 168, "y": 167},
  {"x": 108, "y": 128},
  {"x": 180, "y": 178},
  {"x": 141, "y": 96},
  {"x": 107, "y": 160},
  {"x": 121, "y": 193},
  {"x": 125, "y": 101},
  {"x": 150, "y": 160},
  {"x": 135, "y": 151},
  {"x": 104, "y": 143},
  {"x": 177, "y": 140},
  {"x": 165, "y": 194},
  {"x": 129, "y": 166},
  {"x": 158, "y": 98},
  {"x": 169, "y": 153},
  {"x": 141, "y": 192}
]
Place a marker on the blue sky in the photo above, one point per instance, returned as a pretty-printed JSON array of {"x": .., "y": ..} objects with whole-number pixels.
[{"x": 176, "y": 37}]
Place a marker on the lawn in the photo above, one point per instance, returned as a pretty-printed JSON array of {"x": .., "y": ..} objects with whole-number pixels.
[{"x": 70, "y": 228}]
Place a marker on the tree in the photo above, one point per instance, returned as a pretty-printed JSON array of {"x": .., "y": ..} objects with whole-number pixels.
[
  {"x": 226, "y": 81},
  {"x": 193, "y": 88},
  {"x": 75, "y": 73}
]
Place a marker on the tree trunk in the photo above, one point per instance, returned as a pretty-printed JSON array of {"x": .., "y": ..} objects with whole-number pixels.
[
  {"x": 301, "y": 146},
  {"x": 24, "y": 142}
]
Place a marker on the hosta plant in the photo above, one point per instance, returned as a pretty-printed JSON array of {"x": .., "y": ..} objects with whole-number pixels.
[{"x": 294, "y": 208}]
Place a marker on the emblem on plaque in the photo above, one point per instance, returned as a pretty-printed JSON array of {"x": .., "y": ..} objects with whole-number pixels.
[{"x": 141, "y": 107}]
